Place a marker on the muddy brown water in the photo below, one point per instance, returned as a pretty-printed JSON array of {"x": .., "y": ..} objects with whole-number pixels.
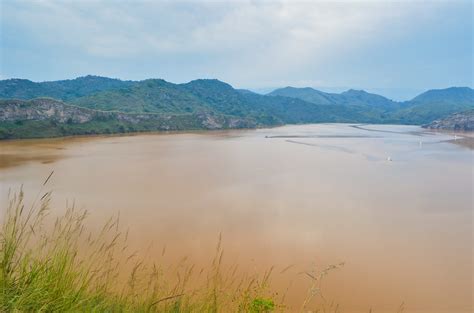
[{"x": 395, "y": 203}]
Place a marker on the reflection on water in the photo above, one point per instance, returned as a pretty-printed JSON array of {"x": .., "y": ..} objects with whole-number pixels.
[{"x": 300, "y": 196}]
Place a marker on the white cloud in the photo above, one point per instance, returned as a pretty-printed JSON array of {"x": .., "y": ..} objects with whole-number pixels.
[
  {"x": 241, "y": 40},
  {"x": 112, "y": 28}
]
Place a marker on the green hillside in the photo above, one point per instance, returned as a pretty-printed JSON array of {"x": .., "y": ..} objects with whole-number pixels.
[
  {"x": 307, "y": 94},
  {"x": 426, "y": 107},
  {"x": 435, "y": 104},
  {"x": 155, "y": 104},
  {"x": 148, "y": 96},
  {"x": 61, "y": 89}
]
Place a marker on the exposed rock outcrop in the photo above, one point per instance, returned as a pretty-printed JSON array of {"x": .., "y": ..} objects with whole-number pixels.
[
  {"x": 46, "y": 109},
  {"x": 462, "y": 121},
  {"x": 59, "y": 113}
]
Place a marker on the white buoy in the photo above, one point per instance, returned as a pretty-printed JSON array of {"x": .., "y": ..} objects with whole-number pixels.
[
  {"x": 421, "y": 143},
  {"x": 389, "y": 159},
  {"x": 455, "y": 137}
]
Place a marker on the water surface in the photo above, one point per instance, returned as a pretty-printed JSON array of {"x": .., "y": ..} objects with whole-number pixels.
[{"x": 395, "y": 203}]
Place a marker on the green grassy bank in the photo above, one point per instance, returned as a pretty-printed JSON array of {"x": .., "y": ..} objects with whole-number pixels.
[{"x": 56, "y": 265}]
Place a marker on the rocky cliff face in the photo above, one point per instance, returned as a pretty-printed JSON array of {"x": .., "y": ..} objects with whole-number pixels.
[
  {"x": 46, "y": 117},
  {"x": 462, "y": 121},
  {"x": 44, "y": 109},
  {"x": 60, "y": 112}
]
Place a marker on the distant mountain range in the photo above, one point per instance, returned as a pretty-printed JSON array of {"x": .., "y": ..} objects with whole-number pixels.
[
  {"x": 93, "y": 104},
  {"x": 424, "y": 108}
]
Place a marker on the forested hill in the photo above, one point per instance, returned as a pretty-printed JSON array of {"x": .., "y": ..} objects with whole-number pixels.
[
  {"x": 26, "y": 108},
  {"x": 426, "y": 107},
  {"x": 60, "y": 89}
]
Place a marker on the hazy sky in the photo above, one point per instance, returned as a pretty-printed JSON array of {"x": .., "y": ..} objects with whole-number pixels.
[{"x": 395, "y": 48}]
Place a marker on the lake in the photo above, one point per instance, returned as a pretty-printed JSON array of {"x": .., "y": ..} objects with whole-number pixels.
[{"x": 395, "y": 203}]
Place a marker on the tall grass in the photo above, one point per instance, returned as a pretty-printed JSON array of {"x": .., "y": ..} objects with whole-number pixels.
[{"x": 63, "y": 267}]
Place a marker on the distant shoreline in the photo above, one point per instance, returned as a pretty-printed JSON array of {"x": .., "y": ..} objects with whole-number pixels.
[
  {"x": 466, "y": 134},
  {"x": 184, "y": 131}
]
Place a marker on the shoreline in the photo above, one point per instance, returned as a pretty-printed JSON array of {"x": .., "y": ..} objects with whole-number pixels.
[{"x": 193, "y": 131}]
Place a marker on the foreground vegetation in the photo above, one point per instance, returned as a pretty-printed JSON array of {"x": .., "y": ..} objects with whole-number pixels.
[{"x": 65, "y": 268}]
